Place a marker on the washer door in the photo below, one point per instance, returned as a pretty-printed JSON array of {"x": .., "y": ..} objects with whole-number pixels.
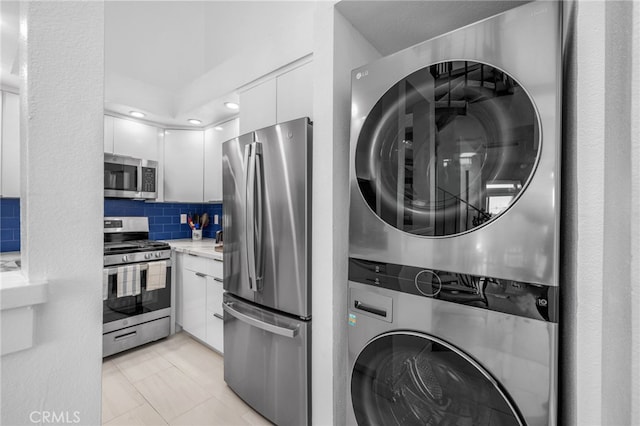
[
  {"x": 447, "y": 149},
  {"x": 405, "y": 378}
]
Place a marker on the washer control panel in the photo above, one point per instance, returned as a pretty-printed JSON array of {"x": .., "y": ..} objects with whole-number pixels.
[{"x": 513, "y": 297}]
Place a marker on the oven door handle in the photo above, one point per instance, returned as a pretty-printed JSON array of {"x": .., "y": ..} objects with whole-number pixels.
[{"x": 112, "y": 270}]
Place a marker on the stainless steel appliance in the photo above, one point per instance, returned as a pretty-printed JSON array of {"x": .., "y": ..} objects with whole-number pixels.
[
  {"x": 442, "y": 348},
  {"x": 455, "y": 183},
  {"x": 136, "y": 285},
  {"x": 128, "y": 177},
  {"x": 267, "y": 304}
]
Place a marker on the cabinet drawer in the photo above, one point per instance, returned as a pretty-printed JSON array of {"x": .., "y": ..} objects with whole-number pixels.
[
  {"x": 214, "y": 295},
  {"x": 215, "y": 330},
  {"x": 216, "y": 270},
  {"x": 200, "y": 264}
]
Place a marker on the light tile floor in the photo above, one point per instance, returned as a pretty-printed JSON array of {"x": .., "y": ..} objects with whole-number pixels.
[{"x": 175, "y": 381}]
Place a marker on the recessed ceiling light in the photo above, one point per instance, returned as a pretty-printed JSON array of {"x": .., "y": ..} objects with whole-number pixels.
[
  {"x": 194, "y": 121},
  {"x": 136, "y": 114},
  {"x": 231, "y": 105},
  {"x": 219, "y": 128}
]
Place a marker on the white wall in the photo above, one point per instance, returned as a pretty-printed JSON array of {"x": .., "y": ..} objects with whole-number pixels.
[
  {"x": 62, "y": 84},
  {"x": 599, "y": 371},
  {"x": 338, "y": 48}
]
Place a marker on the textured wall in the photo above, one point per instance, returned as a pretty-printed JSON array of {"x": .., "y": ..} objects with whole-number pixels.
[
  {"x": 62, "y": 85},
  {"x": 338, "y": 49},
  {"x": 599, "y": 369}
]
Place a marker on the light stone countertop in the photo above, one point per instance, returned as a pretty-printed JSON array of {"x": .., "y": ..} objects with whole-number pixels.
[{"x": 204, "y": 247}]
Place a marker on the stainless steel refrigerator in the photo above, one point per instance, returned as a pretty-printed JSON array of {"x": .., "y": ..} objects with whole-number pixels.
[{"x": 267, "y": 270}]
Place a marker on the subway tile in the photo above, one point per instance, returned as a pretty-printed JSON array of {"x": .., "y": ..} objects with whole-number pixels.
[
  {"x": 9, "y": 246},
  {"x": 163, "y": 219}
]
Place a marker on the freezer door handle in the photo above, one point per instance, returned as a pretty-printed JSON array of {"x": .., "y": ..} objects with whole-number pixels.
[{"x": 271, "y": 328}]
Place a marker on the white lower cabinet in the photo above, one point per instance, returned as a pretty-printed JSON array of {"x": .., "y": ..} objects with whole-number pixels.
[{"x": 199, "y": 298}]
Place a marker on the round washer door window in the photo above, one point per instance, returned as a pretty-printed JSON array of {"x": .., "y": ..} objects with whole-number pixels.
[
  {"x": 414, "y": 379},
  {"x": 447, "y": 149}
]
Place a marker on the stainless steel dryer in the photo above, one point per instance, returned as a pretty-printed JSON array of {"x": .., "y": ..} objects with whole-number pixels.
[
  {"x": 454, "y": 225},
  {"x": 455, "y": 150}
]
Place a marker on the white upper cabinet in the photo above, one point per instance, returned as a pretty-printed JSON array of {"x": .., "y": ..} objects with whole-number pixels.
[
  {"x": 213, "y": 140},
  {"x": 294, "y": 98},
  {"x": 281, "y": 98},
  {"x": 183, "y": 165},
  {"x": 135, "y": 139},
  {"x": 10, "y": 146},
  {"x": 108, "y": 134},
  {"x": 258, "y": 107}
]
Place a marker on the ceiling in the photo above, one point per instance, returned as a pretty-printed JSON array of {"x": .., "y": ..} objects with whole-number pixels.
[{"x": 176, "y": 60}]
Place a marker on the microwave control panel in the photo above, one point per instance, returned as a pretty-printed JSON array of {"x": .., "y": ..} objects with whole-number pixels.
[{"x": 148, "y": 179}]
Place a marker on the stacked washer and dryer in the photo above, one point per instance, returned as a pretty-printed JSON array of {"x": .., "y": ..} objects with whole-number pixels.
[{"x": 454, "y": 227}]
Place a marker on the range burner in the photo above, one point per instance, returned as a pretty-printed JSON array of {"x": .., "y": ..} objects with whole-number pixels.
[{"x": 126, "y": 241}]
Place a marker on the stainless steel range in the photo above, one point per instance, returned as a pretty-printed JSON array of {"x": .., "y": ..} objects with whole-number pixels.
[{"x": 136, "y": 285}]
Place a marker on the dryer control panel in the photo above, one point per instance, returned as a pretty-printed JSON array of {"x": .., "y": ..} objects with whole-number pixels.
[{"x": 508, "y": 296}]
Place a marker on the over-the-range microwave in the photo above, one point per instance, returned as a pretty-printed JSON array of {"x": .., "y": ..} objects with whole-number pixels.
[{"x": 128, "y": 177}]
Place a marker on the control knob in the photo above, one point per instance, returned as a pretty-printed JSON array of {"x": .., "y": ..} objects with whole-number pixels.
[
  {"x": 158, "y": 254},
  {"x": 125, "y": 258},
  {"x": 148, "y": 255}
]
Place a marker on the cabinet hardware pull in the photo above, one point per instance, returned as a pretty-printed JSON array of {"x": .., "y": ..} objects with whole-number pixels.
[
  {"x": 218, "y": 279},
  {"x": 200, "y": 274},
  {"x": 218, "y": 316}
]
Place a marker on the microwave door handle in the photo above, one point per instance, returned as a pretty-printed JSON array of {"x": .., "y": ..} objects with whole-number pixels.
[
  {"x": 139, "y": 179},
  {"x": 249, "y": 200}
]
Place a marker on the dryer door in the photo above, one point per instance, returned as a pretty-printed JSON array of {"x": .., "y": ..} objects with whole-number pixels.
[
  {"x": 405, "y": 378},
  {"x": 447, "y": 149}
]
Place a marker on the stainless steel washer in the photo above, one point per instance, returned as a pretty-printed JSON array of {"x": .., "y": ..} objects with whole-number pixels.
[
  {"x": 454, "y": 227},
  {"x": 449, "y": 359}
]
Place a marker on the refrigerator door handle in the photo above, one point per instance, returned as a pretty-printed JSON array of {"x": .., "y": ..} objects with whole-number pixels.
[
  {"x": 259, "y": 190},
  {"x": 253, "y": 209},
  {"x": 271, "y": 328},
  {"x": 249, "y": 200}
]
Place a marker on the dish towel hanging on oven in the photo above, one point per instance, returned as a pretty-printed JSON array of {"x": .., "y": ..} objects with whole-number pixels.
[
  {"x": 128, "y": 280},
  {"x": 156, "y": 275}
]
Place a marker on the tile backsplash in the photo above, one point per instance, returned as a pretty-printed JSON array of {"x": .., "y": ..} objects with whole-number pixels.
[
  {"x": 164, "y": 218},
  {"x": 9, "y": 224}
]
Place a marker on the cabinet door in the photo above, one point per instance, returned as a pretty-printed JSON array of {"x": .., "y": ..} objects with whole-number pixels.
[
  {"x": 214, "y": 314},
  {"x": 135, "y": 139},
  {"x": 295, "y": 93},
  {"x": 183, "y": 165},
  {"x": 193, "y": 303},
  {"x": 10, "y": 146},
  {"x": 108, "y": 134},
  {"x": 213, "y": 139},
  {"x": 258, "y": 107}
]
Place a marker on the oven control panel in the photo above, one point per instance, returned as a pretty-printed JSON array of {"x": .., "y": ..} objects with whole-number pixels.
[{"x": 148, "y": 256}]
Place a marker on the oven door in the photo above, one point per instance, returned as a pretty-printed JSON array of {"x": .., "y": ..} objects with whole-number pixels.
[{"x": 128, "y": 310}]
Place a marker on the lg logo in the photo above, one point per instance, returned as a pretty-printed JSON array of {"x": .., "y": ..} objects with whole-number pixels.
[{"x": 362, "y": 74}]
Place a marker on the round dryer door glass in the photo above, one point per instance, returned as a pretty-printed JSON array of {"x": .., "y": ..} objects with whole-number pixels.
[
  {"x": 447, "y": 149},
  {"x": 415, "y": 379}
]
